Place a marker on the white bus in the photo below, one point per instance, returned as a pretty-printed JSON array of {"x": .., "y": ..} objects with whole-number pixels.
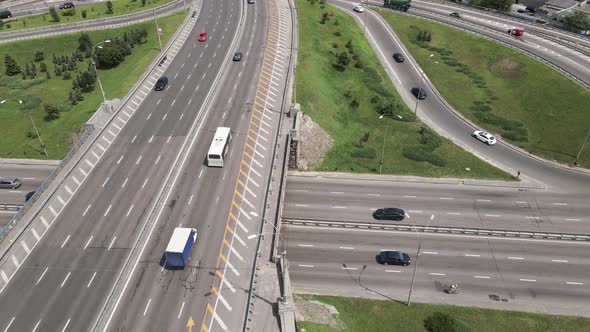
[{"x": 219, "y": 147}]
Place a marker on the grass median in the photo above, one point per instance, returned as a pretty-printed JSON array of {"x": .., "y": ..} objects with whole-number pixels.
[
  {"x": 81, "y": 13},
  {"x": 357, "y": 314},
  {"x": 508, "y": 93},
  {"x": 358, "y": 106},
  {"x": 18, "y": 134}
]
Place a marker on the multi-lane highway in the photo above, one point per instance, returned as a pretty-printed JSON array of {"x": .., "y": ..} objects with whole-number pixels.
[
  {"x": 511, "y": 274},
  {"x": 78, "y": 259}
]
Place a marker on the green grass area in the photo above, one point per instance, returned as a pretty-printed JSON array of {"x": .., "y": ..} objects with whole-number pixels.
[
  {"x": 502, "y": 90},
  {"x": 326, "y": 94},
  {"x": 18, "y": 140},
  {"x": 374, "y": 315},
  {"x": 95, "y": 11}
]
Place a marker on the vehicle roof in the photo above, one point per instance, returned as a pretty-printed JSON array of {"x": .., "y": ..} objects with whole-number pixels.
[
  {"x": 221, "y": 134},
  {"x": 178, "y": 239},
  {"x": 9, "y": 179}
]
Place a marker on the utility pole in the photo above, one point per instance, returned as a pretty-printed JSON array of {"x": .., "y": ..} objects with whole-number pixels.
[
  {"x": 582, "y": 148},
  {"x": 383, "y": 150},
  {"x": 417, "y": 257},
  {"x": 37, "y": 132},
  {"x": 157, "y": 29}
]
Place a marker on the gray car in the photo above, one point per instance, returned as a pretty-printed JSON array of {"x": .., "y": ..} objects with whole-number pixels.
[{"x": 10, "y": 183}]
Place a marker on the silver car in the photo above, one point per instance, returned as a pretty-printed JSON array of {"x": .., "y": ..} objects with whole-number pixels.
[
  {"x": 10, "y": 183},
  {"x": 487, "y": 138}
]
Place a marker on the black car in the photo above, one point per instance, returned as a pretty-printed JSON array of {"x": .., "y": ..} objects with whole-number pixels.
[
  {"x": 29, "y": 195},
  {"x": 66, "y": 5},
  {"x": 5, "y": 13},
  {"x": 389, "y": 214},
  {"x": 398, "y": 57},
  {"x": 393, "y": 257},
  {"x": 250, "y": 1},
  {"x": 419, "y": 93},
  {"x": 161, "y": 83},
  {"x": 237, "y": 56}
]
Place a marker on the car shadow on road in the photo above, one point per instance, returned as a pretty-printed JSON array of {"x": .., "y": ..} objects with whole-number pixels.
[{"x": 358, "y": 281}]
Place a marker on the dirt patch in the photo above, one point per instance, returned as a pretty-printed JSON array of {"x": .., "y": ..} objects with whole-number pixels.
[
  {"x": 506, "y": 67},
  {"x": 314, "y": 143},
  {"x": 317, "y": 312}
]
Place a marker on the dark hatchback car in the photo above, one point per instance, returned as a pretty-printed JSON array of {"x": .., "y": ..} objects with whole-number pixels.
[
  {"x": 29, "y": 195},
  {"x": 66, "y": 5},
  {"x": 161, "y": 83},
  {"x": 237, "y": 56},
  {"x": 389, "y": 214},
  {"x": 398, "y": 57},
  {"x": 392, "y": 257},
  {"x": 419, "y": 93}
]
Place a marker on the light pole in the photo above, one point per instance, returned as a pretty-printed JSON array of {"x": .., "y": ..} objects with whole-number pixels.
[
  {"x": 284, "y": 265},
  {"x": 157, "y": 29},
  {"x": 582, "y": 148},
  {"x": 417, "y": 257},
  {"x": 421, "y": 83},
  {"x": 383, "y": 149},
  {"x": 104, "y": 99}
]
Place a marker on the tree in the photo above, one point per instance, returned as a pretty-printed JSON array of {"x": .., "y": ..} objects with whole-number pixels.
[
  {"x": 109, "y": 7},
  {"x": 53, "y": 14},
  {"x": 33, "y": 70},
  {"x": 42, "y": 67},
  {"x": 47, "y": 75},
  {"x": 84, "y": 43},
  {"x": 78, "y": 95},
  {"x": 58, "y": 71},
  {"x": 324, "y": 18},
  {"x": 143, "y": 3},
  {"x": 83, "y": 13},
  {"x": 576, "y": 22},
  {"x": 111, "y": 55},
  {"x": 343, "y": 59},
  {"x": 27, "y": 70},
  {"x": 52, "y": 111},
  {"x": 39, "y": 56},
  {"x": 12, "y": 68},
  {"x": 72, "y": 98}
]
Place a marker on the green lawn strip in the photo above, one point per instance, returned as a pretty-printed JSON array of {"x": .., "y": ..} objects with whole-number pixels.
[
  {"x": 504, "y": 91},
  {"x": 359, "y": 314},
  {"x": 96, "y": 11},
  {"x": 321, "y": 90},
  {"x": 17, "y": 139}
]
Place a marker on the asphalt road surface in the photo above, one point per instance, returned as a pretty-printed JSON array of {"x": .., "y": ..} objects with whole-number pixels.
[
  {"x": 76, "y": 262},
  {"x": 511, "y": 274},
  {"x": 484, "y": 206}
]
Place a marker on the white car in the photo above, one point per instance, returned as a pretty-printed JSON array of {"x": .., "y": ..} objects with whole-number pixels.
[
  {"x": 359, "y": 9},
  {"x": 487, "y": 138}
]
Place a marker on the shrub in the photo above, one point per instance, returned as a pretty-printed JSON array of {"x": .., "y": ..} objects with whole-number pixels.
[
  {"x": 374, "y": 83},
  {"x": 376, "y": 99},
  {"x": 68, "y": 12},
  {"x": 53, "y": 14},
  {"x": 359, "y": 64},
  {"x": 365, "y": 152},
  {"x": 429, "y": 139},
  {"x": 334, "y": 45},
  {"x": 354, "y": 103},
  {"x": 83, "y": 13},
  {"x": 421, "y": 154},
  {"x": 67, "y": 75},
  {"x": 337, "y": 34},
  {"x": 109, "y": 5},
  {"x": 39, "y": 56},
  {"x": 440, "y": 322},
  {"x": 452, "y": 62}
]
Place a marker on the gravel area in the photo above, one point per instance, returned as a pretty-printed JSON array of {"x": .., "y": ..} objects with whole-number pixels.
[
  {"x": 314, "y": 143},
  {"x": 317, "y": 312}
]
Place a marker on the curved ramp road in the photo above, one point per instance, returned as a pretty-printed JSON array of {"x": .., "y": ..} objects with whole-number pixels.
[
  {"x": 25, "y": 8},
  {"x": 98, "y": 24},
  {"x": 438, "y": 115},
  {"x": 524, "y": 275}
]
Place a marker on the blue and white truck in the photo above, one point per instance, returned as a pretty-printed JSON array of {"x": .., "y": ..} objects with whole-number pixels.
[{"x": 178, "y": 251}]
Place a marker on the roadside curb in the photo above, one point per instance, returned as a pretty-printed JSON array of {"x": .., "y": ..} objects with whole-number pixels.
[
  {"x": 29, "y": 162},
  {"x": 526, "y": 184}
]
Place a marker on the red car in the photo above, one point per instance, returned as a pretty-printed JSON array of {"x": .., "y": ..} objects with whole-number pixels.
[{"x": 202, "y": 36}]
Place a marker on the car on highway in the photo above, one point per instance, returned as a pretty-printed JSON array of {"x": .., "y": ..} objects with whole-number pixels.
[
  {"x": 398, "y": 57},
  {"x": 393, "y": 257},
  {"x": 5, "y": 13},
  {"x": 237, "y": 56},
  {"x": 10, "y": 182},
  {"x": 389, "y": 214},
  {"x": 358, "y": 9},
  {"x": 487, "y": 138},
  {"x": 418, "y": 93},
  {"x": 457, "y": 15},
  {"x": 66, "y": 5},
  {"x": 161, "y": 83},
  {"x": 29, "y": 195},
  {"x": 203, "y": 36},
  {"x": 250, "y": 1}
]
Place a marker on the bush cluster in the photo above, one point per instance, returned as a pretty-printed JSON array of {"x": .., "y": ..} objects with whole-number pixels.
[{"x": 424, "y": 152}]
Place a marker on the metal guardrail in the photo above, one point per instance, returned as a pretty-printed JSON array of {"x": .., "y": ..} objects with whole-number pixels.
[
  {"x": 439, "y": 229},
  {"x": 11, "y": 207}
]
